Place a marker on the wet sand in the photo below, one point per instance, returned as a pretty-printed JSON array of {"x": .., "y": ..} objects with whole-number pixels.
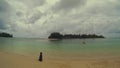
[{"x": 10, "y": 60}]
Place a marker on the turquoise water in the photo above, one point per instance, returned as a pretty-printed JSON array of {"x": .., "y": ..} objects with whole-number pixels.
[{"x": 64, "y": 49}]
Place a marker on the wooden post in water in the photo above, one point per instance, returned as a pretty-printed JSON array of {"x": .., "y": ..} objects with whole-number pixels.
[{"x": 41, "y": 57}]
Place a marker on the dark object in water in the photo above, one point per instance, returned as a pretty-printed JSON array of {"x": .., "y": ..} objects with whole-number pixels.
[
  {"x": 40, "y": 57},
  {"x": 84, "y": 42}
]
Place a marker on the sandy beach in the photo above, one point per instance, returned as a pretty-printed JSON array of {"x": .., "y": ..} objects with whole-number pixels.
[{"x": 9, "y": 60}]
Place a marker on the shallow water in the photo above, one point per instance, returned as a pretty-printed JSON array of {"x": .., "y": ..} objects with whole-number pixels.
[{"x": 64, "y": 49}]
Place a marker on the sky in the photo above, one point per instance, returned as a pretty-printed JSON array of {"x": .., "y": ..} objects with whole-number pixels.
[{"x": 39, "y": 18}]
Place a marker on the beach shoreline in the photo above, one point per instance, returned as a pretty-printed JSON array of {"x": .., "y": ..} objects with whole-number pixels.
[{"x": 10, "y": 60}]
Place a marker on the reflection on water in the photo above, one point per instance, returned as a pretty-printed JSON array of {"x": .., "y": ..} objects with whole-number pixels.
[{"x": 64, "y": 48}]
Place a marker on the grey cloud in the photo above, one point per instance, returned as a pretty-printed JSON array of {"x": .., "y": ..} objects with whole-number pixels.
[
  {"x": 3, "y": 6},
  {"x": 2, "y": 25},
  {"x": 108, "y": 9},
  {"x": 33, "y": 3},
  {"x": 32, "y": 15},
  {"x": 39, "y": 2},
  {"x": 4, "y": 11},
  {"x": 96, "y": 19},
  {"x": 68, "y": 4},
  {"x": 34, "y": 18},
  {"x": 19, "y": 14},
  {"x": 102, "y": 17},
  {"x": 1, "y": 9}
]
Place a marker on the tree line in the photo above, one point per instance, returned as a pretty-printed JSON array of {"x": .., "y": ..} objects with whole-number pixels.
[
  {"x": 5, "y": 35},
  {"x": 57, "y": 35}
]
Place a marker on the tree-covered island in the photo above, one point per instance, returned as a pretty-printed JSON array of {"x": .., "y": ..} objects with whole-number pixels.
[
  {"x": 3, "y": 34},
  {"x": 58, "y": 36}
]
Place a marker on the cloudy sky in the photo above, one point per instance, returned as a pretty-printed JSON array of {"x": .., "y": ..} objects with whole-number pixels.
[{"x": 38, "y": 18}]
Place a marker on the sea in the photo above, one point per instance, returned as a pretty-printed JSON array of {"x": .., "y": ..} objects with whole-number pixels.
[{"x": 67, "y": 49}]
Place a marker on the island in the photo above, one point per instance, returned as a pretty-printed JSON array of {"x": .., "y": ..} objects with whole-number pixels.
[
  {"x": 59, "y": 36},
  {"x": 3, "y": 34}
]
